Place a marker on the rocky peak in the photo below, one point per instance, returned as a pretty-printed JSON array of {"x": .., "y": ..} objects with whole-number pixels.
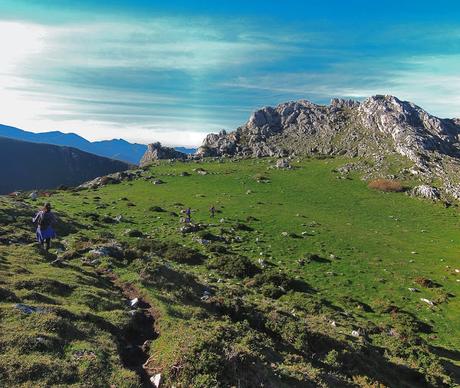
[
  {"x": 411, "y": 128},
  {"x": 380, "y": 125},
  {"x": 156, "y": 151}
]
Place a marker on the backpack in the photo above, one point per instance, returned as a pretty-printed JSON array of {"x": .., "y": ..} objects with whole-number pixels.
[{"x": 44, "y": 221}]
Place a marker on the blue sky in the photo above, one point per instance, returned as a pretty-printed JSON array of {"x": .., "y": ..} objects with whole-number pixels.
[{"x": 148, "y": 71}]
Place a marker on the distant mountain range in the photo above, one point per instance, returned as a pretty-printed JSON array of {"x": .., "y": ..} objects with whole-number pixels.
[
  {"x": 29, "y": 166},
  {"x": 114, "y": 149}
]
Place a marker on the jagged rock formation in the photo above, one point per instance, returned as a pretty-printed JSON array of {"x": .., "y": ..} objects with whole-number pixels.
[
  {"x": 425, "y": 191},
  {"x": 156, "y": 151},
  {"x": 376, "y": 128}
]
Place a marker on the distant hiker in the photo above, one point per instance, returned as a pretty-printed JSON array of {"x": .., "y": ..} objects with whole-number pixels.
[
  {"x": 188, "y": 215},
  {"x": 33, "y": 195},
  {"x": 45, "y": 219},
  {"x": 212, "y": 211}
]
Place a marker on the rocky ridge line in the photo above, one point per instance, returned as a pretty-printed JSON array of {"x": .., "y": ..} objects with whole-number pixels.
[{"x": 376, "y": 128}]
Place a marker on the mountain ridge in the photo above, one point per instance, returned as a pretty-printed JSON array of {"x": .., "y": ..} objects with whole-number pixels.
[
  {"x": 30, "y": 166},
  {"x": 376, "y": 128},
  {"x": 119, "y": 149}
]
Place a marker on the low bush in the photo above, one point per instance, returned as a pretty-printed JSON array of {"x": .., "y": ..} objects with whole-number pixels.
[
  {"x": 233, "y": 266},
  {"x": 157, "y": 209},
  {"x": 386, "y": 185},
  {"x": 204, "y": 234},
  {"x": 243, "y": 227},
  {"x": 183, "y": 255},
  {"x": 274, "y": 284},
  {"x": 424, "y": 282}
]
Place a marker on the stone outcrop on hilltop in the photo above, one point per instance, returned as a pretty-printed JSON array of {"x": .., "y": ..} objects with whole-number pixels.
[
  {"x": 375, "y": 128},
  {"x": 156, "y": 151}
]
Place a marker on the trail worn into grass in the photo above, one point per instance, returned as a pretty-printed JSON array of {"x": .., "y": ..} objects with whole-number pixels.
[{"x": 137, "y": 338}]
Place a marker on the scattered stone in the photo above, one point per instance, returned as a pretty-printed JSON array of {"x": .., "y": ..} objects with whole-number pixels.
[
  {"x": 427, "y": 301},
  {"x": 156, "y": 380},
  {"x": 425, "y": 191},
  {"x": 355, "y": 333},
  {"x": 200, "y": 171},
  {"x": 57, "y": 263},
  {"x": 26, "y": 309},
  {"x": 412, "y": 289},
  {"x": 158, "y": 182},
  {"x": 134, "y": 302},
  {"x": 284, "y": 234},
  {"x": 282, "y": 163},
  {"x": 84, "y": 354}
]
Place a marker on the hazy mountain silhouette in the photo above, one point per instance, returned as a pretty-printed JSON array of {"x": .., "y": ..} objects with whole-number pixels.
[
  {"x": 28, "y": 166},
  {"x": 115, "y": 149}
]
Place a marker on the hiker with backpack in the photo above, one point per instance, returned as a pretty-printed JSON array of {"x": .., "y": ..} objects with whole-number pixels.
[
  {"x": 188, "y": 215},
  {"x": 45, "y": 220}
]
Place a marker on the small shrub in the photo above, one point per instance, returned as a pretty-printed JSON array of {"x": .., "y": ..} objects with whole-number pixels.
[
  {"x": 424, "y": 282},
  {"x": 233, "y": 266},
  {"x": 332, "y": 359},
  {"x": 149, "y": 245},
  {"x": 157, "y": 209},
  {"x": 183, "y": 255},
  {"x": 204, "y": 234},
  {"x": 243, "y": 227},
  {"x": 386, "y": 185},
  {"x": 274, "y": 284},
  {"x": 215, "y": 248},
  {"x": 134, "y": 233}
]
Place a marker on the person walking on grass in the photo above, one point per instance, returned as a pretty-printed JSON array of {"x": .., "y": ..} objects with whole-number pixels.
[
  {"x": 45, "y": 220},
  {"x": 188, "y": 215},
  {"x": 212, "y": 211}
]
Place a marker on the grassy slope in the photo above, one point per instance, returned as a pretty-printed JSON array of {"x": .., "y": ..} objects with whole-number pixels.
[{"x": 373, "y": 234}]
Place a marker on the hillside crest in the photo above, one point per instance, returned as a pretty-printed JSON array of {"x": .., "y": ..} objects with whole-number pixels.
[{"x": 378, "y": 127}]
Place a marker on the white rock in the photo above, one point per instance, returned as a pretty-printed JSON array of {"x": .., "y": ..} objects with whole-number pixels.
[
  {"x": 134, "y": 302},
  {"x": 156, "y": 380},
  {"x": 427, "y": 301},
  {"x": 355, "y": 333},
  {"x": 425, "y": 191}
]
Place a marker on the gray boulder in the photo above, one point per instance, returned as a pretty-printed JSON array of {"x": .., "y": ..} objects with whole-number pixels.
[
  {"x": 425, "y": 191},
  {"x": 156, "y": 151}
]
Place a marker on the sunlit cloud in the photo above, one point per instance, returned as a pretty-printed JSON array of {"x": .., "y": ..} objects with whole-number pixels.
[{"x": 174, "y": 79}]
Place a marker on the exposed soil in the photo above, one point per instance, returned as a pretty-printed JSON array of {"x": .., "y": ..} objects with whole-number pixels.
[{"x": 136, "y": 338}]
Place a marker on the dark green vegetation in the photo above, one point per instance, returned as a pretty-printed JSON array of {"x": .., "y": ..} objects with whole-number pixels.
[
  {"x": 23, "y": 164},
  {"x": 302, "y": 280}
]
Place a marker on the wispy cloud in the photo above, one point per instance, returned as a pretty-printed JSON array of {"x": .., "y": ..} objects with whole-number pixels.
[
  {"x": 174, "y": 78},
  {"x": 144, "y": 76}
]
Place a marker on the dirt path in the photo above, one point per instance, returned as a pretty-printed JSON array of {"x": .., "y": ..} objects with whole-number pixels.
[{"x": 136, "y": 339}]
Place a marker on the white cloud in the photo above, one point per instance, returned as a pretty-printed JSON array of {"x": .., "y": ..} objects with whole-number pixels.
[
  {"x": 18, "y": 43},
  {"x": 46, "y": 84},
  {"x": 432, "y": 82}
]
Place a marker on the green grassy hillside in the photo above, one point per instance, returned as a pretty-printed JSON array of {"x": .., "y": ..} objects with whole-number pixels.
[{"x": 301, "y": 279}]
